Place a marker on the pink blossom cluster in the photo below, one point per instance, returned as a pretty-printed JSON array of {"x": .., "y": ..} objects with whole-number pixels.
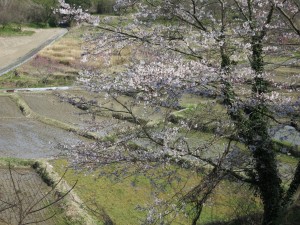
[{"x": 72, "y": 13}]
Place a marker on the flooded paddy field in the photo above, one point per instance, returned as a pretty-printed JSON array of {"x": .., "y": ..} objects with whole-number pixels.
[
  {"x": 31, "y": 189},
  {"x": 51, "y": 106},
  {"x": 30, "y": 138},
  {"x": 48, "y": 105},
  {"x": 140, "y": 110},
  {"x": 26, "y": 138}
]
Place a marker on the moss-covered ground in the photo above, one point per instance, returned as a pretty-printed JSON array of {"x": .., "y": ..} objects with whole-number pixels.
[{"x": 119, "y": 199}]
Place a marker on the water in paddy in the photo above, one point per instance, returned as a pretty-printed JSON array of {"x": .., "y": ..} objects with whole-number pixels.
[{"x": 23, "y": 138}]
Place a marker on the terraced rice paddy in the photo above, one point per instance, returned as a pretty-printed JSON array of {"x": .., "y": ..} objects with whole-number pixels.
[
  {"x": 18, "y": 203},
  {"x": 23, "y": 137},
  {"x": 26, "y": 137},
  {"x": 50, "y": 106}
]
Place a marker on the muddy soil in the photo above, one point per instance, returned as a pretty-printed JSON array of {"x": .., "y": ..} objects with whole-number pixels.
[
  {"x": 143, "y": 112},
  {"x": 8, "y": 109},
  {"x": 51, "y": 106},
  {"x": 28, "y": 139},
  {"x": 21, "y": 137},
  {"x": 31, "y": 189}
]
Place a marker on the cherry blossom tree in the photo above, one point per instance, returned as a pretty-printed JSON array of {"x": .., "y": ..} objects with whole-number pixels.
[
  {"x": 260, "y": 19},
  {"x": 70, "y": 14},
  {"x": 290, "y": 12},
  {"x": 197, "y": 48}
]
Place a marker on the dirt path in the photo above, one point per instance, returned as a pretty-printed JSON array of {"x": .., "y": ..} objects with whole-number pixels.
[{"x": 14, "y": 51}]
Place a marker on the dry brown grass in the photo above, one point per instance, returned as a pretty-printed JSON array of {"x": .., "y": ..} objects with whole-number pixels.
[
  {"x": 65, "y": 50},
  {"x": 56, "y": 65}
]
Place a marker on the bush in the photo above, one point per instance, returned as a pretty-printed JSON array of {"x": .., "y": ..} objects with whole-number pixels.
[
  {"x": 85, "y": 4},
  {"x": 43, "y": 174},
  {"x": 27, "y": 11},
  {"x": 105, "y": 6}
]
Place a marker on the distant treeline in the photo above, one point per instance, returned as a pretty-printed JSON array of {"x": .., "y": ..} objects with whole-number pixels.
[
  {"x": 95, "y": 6},
  {"x": 40, "y": 12}
]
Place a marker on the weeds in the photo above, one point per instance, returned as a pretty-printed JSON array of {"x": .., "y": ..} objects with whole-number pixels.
[
  {"x": 43, "y": 174},
  {"x": 10, "y": 31}
]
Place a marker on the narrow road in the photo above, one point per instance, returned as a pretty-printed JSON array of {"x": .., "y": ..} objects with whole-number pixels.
[
  {"x": 14, "y": 51},
  {"x": 38, "y": 89}
]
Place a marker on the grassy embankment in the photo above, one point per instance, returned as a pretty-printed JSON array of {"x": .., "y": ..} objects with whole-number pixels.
[{"x": 118, "y": 199}]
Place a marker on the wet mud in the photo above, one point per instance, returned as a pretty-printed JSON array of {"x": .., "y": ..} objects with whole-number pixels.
[
  {"x": 49, "y": 105},
  {"x": 21, "y": 137},
  {"x": 8, "y": 109},
  {"x": 28, "y": 139}
]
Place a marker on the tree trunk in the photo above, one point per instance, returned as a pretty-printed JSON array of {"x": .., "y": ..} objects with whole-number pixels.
[
  {"x": 268, "y": 180},
  {"x": 259, "y": 141}
]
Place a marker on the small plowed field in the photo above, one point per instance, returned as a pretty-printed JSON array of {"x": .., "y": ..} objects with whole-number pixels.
[{"x": 23, "y": 191}]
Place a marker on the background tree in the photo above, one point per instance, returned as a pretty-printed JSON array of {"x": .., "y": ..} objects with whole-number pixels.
[
  {"x": 7, "y": 7},
  {"x": 104, "y": 6},
  {"x": 70, "y": 15},
  {"x": 44, "y": 11},
  {"x": 27, "y": 11},
  {"x": 85, "y": 4}
]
